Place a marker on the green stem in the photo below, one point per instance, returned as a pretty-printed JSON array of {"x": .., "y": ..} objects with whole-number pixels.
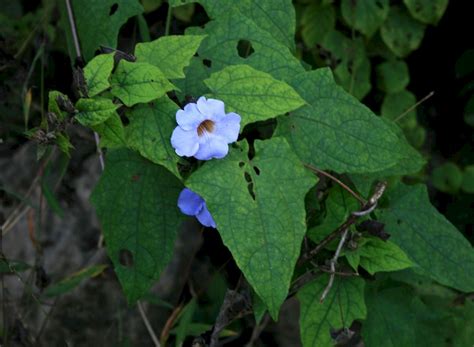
[{"x": 168, "y": 19}]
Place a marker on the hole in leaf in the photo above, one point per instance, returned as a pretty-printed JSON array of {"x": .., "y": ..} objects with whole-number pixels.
[
  {"x": 241, "y": 164},
  {"x": 244, "y": 48},
  {"x": 207, "y": 62},
  {"x": 248, "y": 178},
  {"x": 113, "y": 9},
  {"x": 379, "y": 4},
  {"x": 126, "y": 258},
  {"x": 257, "y": 170}
]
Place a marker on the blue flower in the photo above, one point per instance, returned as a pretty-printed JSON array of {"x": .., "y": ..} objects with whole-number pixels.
[
  {"x": 204, "y": 130},
  {"x": 193, "y": 204}
]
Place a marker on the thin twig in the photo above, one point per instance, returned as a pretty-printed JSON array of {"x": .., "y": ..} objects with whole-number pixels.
[
  {"x": 168, "y": 19},
  {"x": 414, "y": 106},
  {"x": 257, "y": 330},
  {"x": 99, "y": 151},
  {"x": 148, "y": 325},
  {"x": 333, "y": 263},
  {"x": 338, "y": 181},
  {"x": 169, "y": 323},
  {"x": 72, "y": 23}
]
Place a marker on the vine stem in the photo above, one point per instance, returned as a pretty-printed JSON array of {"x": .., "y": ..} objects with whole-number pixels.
[
  {"x": 168, "y": 19},
  {"x": 338, "y": 181}
]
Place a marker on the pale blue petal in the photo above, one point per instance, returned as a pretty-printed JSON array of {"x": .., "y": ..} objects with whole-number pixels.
[
  {"x": 190, "y": 117},
  {"x": 211, "y": 146},
  {"x": 228, "y": 127},
  {"x": 185, "y": 143},
  {"x": 189, "y": 202},
  {"x": 211, "y": 108},
  {"x": 205, "y": 217}
]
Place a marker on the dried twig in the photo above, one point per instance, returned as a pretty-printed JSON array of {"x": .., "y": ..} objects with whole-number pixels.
[
  {"x": 414, "y": 106},
  {"x": 148, "y": 325},
  {"x": 257, "y": 330},
  {"x": 338, "y": 181}
]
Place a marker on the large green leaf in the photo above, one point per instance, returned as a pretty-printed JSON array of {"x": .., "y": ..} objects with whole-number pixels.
[
  {"x": 258, "y": 206},
  {"x": 169, "y": 53},
  {"x": 336, "y": 131},
  {"x": 97, "y": 73},
  {"x": 138, "y": 82},
  {"x": 343, "y": 304},
  {"x": 98, "y": 22},
  {"x": 136, "y": 204},
  {"x": 224, "y": 35},
  {"x": 253, "y": 94},
  {"x": 365, "y": 16},
  {"x": 427, "y": 11},
  {"x": 95, "y": 111},
  {"x": 150, "y": 129},
  {"x": 277, "y": 17},
  {"x": 375, "y": 255},
  {"x": 428, "y": 238},
  {"x": 401, "y": 33}
]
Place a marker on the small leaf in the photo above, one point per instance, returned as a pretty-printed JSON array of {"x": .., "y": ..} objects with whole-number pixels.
[
  {"x": 136, "y": 202},
  {"x": 138, "y": 83},
  {"x": 392, "y": 76},
  {"x": 12, "y": 266},
  {"x": 253, "y": 94},
  {"x": 447, "y": 178},
  {"x": 365, "y": 16},
  {"x": 53, "y": 105},
  {"x": 97, "y": 73},
  {"x": 258, "y": 206},
  {"x": 376, "y": 255},
  {"x": 111, "y": 132},
  {"x": 427, "y": 11},
  {"x": 401, "y": 33},
  {"x": 150, "y": 130},
  {"x": 69, "y": 283},
  {"x": 98, "y": 22},
  {"x": 317, "y": 21},
  {"x": 95, "y": 111},
  {"x": 343, "y": 304},
  {"x": 428, "y": 238},
  {"x": 169, "y": 53},
  {"x": 468, "y": 179},
  {"x": 395, "y": 105},
  {"x": 64, "y": 144}
]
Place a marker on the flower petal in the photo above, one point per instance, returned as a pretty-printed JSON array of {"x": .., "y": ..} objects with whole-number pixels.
[
  {"x": 228, "y": 127},
  {"x": 189, "y": 202},
  {"x": 205, "y": 217},
  {"x": 185, "y": 143},
  {"x": 211, "y": 108},
  {"x": 190, "y": 117},
  {"x": 211, "y": 146}
]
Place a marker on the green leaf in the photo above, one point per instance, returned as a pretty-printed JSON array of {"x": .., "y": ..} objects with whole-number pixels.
[
  {"x": 354, "y": 79},
  {"x": 150, "y": 129},
  {"x": 171, "y": 54},
  {"x": 469, "y": 112},
  {"x": 258, "y": 206},
  {"x": 136, "y": 204},
  {"x": 150, "y": 5},
  {"x": 365, "y": 16},
  {"x": 253, "y": 94},
  {"x": 111, "y": 132},
  {"x": 343, "y": 304},
  {"x": 391, "y": 318},
  {"x": 428, "y": 238},
  {"x": 53, "y": 106},
  {"x": 468, "y": 179},
  {"x": 376, "y": 255},
  {"x": 184, "y": 13},
  {"x": 97, "y": 73},
  {"x": 72, "y": 281},
  {"x": 317, "y": 21},
  {"x": 339, "y": 205},
  {"x": 276, "y": 17},
  {"x": 427, "y": 11},
  {"x": 95, "y": 111},
  {"x": 224, "y": 34},
  {"x": 135, "y": 83},
  {"x": 447, "y": 178},
  {"x": 64, "y": 144},
  {"x": 193, "y": 85},
  {"x": 401, "y": 33},
  {"x": 394, "y": 107},
  {"x": 337, "y": 132},
  {"x": 98, "y": 22},
  {"x": 392, "y": 76}
]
